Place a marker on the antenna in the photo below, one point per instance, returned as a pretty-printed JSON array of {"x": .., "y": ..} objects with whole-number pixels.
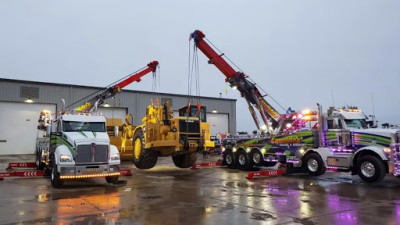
[
  {"x": 63, "y": 107},
  {"x": 373, "y": 107},
  {"x": 333, "y": 100}
]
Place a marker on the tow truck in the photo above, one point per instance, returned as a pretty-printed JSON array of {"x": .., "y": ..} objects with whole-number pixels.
[
  {"x": 76, "y": 144},
  {"x": 341, "y": 138},
  {"x": 273, "y": 123}
]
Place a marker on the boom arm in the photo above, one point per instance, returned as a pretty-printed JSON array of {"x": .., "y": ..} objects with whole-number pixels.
[
  {"x": 238, "y": 80},
  {"x": 112, "y": 91}
]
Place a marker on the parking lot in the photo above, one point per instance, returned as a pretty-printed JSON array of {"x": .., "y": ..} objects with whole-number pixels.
[{"x": 169, "y": 195}]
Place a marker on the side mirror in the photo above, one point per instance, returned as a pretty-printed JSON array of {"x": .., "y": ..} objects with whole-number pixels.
[{"x": 372, "y": 124}]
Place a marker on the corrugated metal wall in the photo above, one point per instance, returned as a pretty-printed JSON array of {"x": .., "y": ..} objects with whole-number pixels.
[{"x": 135, "y": 101}]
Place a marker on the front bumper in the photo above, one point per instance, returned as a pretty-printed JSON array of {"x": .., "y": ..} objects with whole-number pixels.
[{"x": 88, "y": 171}]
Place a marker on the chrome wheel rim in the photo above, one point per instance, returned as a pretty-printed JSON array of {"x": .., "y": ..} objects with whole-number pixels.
[
  {"x": 312, "y": 165},
  {"x": 229, "y": 159},
  {"x": 242, "y": 159},
  {"x": 52, "y": 173},
  {"x": 367, "y": 169},
  {"x": 256, "y": 157}
]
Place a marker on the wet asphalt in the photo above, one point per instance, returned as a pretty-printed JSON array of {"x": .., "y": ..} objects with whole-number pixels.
[{"x": 169, "y": 195}]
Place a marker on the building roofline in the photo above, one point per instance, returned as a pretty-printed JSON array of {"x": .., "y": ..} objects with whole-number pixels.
[{"x": 85, "y": 86}]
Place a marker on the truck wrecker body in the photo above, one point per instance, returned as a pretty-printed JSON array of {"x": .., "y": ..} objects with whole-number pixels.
[{"x": 343, "y": 139}]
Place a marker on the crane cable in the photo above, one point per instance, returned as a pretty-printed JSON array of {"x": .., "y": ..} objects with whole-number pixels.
[
  {"x": 155, "y": 85},
  {"x": 242, "y": 72},
  {"x": 193, "y": 71}
]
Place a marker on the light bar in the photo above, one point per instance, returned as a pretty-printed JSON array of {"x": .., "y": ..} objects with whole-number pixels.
[{"x": 90, "y": 175}]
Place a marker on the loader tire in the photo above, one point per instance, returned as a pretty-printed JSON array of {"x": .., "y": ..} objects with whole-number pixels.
[
  {"x": 143, "y": 158},
  {"x": 185, "y": 160}
]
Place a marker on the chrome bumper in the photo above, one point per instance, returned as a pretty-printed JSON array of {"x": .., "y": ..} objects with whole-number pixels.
[{"x": 88, "y": 171}]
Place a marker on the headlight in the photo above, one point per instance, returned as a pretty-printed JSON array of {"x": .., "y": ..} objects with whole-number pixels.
[
  {"x": 386, "y": 150},
  {"x": 223, "y": 149},
  {"x": 263, "y": 151},
  {"x": 65, "y": 158},
  {"x": 115, "y": 156}
]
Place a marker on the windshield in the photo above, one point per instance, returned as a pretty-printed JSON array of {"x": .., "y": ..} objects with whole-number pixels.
[
  {"x": 69, "y": 126},
  {"x": 356, "y": 123},
  {"x": 216, "y": 141}
]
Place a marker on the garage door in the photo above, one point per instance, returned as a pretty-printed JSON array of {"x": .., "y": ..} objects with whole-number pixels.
[
  {"x": 18, "y": 126},
  {"x": 218, "y": 123},
  {"x": 113, "y": 112}
]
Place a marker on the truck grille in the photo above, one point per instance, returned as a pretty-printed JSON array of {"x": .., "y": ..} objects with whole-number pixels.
[
  {"x": 189, "y": 126},
  {"x": 92, "y": 153}
]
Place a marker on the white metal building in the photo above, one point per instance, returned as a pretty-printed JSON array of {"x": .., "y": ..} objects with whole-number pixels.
[{"x": 19, "y": 119}]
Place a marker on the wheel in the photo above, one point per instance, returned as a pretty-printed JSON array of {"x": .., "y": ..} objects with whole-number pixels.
[
  {"x": 112, "y": 179},
  {"x": 243, "y": 160},
  {"x": 370, "y": 168},
  {"x": 229, "y": 159},
  {"x": 38, "y": 161},
  {"x": 256, "y": 158},
  {"x": 185, "y": 160},
  {"x": 314, "y": 165},
  {"x": 143, "y": 158},
  {"x": 55, "y": 177}
]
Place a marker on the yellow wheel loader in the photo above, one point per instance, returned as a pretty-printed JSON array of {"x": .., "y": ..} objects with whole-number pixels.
[{"x": 162, "y": 135}]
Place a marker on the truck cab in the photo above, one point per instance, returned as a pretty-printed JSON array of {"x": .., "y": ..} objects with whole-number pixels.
[
  {"x": 349, "y": 142},
  {"x": 347, "y": 118},
  {"x": 78, "y": 146}
]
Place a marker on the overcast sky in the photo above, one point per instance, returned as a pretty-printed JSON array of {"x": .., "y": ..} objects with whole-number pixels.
[{"x": 301, "y": 52}]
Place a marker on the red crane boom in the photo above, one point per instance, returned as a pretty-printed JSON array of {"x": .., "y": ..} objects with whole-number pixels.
[
  {"x": 109, "y": 92},
  {"x": 238, "y": 80}
]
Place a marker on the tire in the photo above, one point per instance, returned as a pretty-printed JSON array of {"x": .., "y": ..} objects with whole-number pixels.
[
  {"x": 112, "y": 179},
  {"x": 256, "y": 158},
  {"x": 370, "y": 168},
  {"x": 143, "y": 158},
  {"x": 55, "y": 177},
  {"x": 38, "y": 160},
  {"x": 185, "y": 160},
  {"x": 243, "y": 160},
  {"x": 314, "y": 165},
  {"x": 229, "y": 159}
]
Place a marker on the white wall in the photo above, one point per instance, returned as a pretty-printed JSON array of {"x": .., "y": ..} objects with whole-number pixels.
[{"x": 18, "y": 126}]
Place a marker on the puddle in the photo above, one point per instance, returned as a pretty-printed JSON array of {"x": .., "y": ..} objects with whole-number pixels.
[{"x": 261, "y": 216}]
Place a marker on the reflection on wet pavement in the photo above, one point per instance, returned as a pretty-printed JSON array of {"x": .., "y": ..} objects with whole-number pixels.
[{"x": 168, "y": 195}]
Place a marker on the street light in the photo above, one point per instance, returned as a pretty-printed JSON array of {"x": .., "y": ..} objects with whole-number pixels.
[{"x": 214, "y": 111}]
